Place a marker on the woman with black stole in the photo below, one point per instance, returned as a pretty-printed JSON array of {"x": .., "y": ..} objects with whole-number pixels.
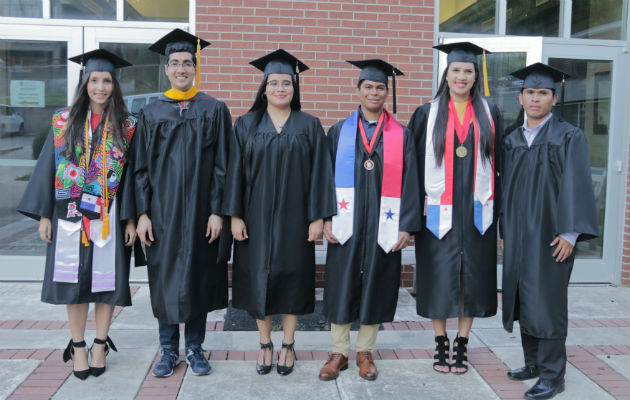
[
  {"x": 76, "y": 193},
  {"x": 279, "y": 188},
  {"x": 458, "y": 135}
]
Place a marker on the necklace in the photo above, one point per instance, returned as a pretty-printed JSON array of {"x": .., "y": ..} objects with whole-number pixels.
[{"x": 280, "y": 122}]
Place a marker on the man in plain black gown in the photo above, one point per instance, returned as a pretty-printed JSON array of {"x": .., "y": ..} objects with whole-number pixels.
[
  {"x": 548, "y": 204},
  {"x": 180, "y": 163}
]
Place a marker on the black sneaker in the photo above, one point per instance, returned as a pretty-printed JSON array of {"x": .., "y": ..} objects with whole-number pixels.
[
  {"x": 197, "y": 361},
  {"x": 170, "y": 359}
]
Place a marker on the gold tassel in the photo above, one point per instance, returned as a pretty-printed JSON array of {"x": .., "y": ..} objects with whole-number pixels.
[
  {"x": 486, "y": 89},
  {"x": 105, "y": 226},
  {"x": 198, "y": 71},
  {"x": 84, "y": 238}
]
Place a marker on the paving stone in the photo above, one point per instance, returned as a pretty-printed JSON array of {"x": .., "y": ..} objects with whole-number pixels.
[
  {"x": 126, "y": 370},
  {"x": 412, "y": 379},
  {"x": 620, "y": 363},
  {"x": 229, "y": 375},
  {"x": 13, "y": 373}
]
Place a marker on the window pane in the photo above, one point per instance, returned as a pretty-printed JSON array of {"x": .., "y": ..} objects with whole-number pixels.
[
  {"x": 533, "y": 17},
  {"x": 33, "y": 84},
  {"x": 21, "y": 8},
  {"x": 467, "y": 16},
  {"x": 601, "y": 19},
  {"x": 156, "y": 10},
  {"x": 83, "y": 9},
  {"x": 145, "y": 79},
  {"x": 587, "y": 106}
]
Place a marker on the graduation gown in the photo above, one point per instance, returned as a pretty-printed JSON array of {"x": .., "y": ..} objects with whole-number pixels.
[
  {"x": 38, "y": 201},
  {"x": 362, "y": 281},
  {"x": 179, "y": 167},
  {"x": 463, "y": 251},
  {"x": 277, "y": 183},
  {"x": 547, "y": 191}
]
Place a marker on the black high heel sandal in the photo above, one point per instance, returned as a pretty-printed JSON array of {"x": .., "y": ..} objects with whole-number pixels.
[
  {"x": 263, "y": 368},
  {"x": 68, "y": 354},
  {"x": 284, "y": 369},
  {"x": 460, "y": 354},
  {"x": 441, "y": 355},
  {"x": 98, "y": 371}
]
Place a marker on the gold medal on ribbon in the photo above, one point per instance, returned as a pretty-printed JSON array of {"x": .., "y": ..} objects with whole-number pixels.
[{"x": 461, "y": 151}]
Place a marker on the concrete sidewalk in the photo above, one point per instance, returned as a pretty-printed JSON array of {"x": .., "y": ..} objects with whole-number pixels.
[{"x": 33, "y": 335}]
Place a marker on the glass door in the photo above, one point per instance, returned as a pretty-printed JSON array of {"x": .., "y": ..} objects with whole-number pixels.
[
  {"x": 595, "y": 101},
  {"x": 34, "y": 83}
]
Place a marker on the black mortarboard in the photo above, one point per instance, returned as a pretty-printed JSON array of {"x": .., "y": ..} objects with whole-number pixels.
[
  {"x": 279, "y": 62},
  {"x": 378, "y": 70},
  {"x": 178, "y": 40},
  {"x": 99, "y": 60},
  {"x": 466, "y": 52},
  {"x": 539, "y": 76},
  {"x": 461, "y": 52}
]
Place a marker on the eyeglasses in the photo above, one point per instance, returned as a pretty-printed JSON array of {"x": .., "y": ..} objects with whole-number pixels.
[
  {"x": 185, "y": 65},
  {"x": 275, "y": 84}
]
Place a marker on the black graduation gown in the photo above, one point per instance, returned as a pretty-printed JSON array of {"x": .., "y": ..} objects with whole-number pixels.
[
  {"x": 179, "y": 166},
  {"x": 290, "y": 185},
  {"x": 547, "y": 191},
  {"x": 463, "y": 250},
  {"x": 39, "y": 201},
  {"x": 362, "y": 281}
]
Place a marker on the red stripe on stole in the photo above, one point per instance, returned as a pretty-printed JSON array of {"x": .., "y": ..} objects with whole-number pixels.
[{"x": 393, "y": 143}]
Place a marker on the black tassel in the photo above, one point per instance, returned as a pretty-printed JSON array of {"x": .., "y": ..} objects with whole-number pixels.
[{"x": 394, "y": 87}]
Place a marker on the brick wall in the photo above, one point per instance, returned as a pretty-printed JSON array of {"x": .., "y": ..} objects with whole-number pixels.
[{"x": 322, "y": 34}]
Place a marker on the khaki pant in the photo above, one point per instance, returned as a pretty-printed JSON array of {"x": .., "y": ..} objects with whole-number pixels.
[{"x": 341, "y": 338}]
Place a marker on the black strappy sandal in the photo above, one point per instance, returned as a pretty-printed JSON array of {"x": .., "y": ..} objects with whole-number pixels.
[
  {"x": 460, "y": 354},
  {"x": 68, "y": 354},
  {"x": 284, "y": 369},
  {"x": 98, "y": 371},
  {"x": 263, "y": 368},
  {"x": 441, "y": 355}
]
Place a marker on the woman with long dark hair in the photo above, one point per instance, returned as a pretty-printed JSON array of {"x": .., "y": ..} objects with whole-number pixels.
[
  {"x": 457, "y": 136},
  {"x": 279, "y": 189},
  {"x": 76, "y": 194}
]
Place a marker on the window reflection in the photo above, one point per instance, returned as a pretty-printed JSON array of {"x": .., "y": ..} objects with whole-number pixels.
[
  {"x": 467, "y": 16},
  {"x": 33, "y": 84},
  {"x": 533, "y": 17},
  {"x": 83, "y": 9},
  {"x": 156, "y": 10},
  {"x": 21, "y": 8},
  {"x": 144, "y": 80},
  {"x": 587, "y": 106},
  {"x": 601, "y": 19}
]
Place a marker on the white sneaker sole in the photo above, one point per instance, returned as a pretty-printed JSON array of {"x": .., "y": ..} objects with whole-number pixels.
[
  {"x": 197, "y": 374},
  {"x": 166, "y": 376}
]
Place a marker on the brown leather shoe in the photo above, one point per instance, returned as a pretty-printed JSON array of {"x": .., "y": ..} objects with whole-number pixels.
[
  {"x": 336, "y": 362},
  {"x": 367, "y": 369}
]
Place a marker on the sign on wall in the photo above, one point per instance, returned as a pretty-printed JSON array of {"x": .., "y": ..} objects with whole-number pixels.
[{"x": 27, "y": 93}]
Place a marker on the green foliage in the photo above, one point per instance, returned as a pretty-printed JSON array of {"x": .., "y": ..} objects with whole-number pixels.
[{"x": 38, "y": 141}]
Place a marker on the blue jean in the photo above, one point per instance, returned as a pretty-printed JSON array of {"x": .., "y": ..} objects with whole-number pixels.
[{"x": 194, "y": 332}]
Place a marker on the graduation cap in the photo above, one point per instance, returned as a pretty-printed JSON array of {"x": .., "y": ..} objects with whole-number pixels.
[
  {"x": 466, "y": 52},
  {"x": 542, "y": 76},
  {"x": 281, "y": 62},
  {"x": 178, "y": 40},
  {"x": 377, "y": 70},
  {"x": 99, "y": 60},
  {"x": 539, "y": 76}
]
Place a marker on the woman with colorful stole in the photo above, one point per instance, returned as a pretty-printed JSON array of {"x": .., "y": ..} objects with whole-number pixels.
[
  {"x": 279, "y": 188},
  {"x": 76, "y": 194},
  {"x": 458, "y": 136}
]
